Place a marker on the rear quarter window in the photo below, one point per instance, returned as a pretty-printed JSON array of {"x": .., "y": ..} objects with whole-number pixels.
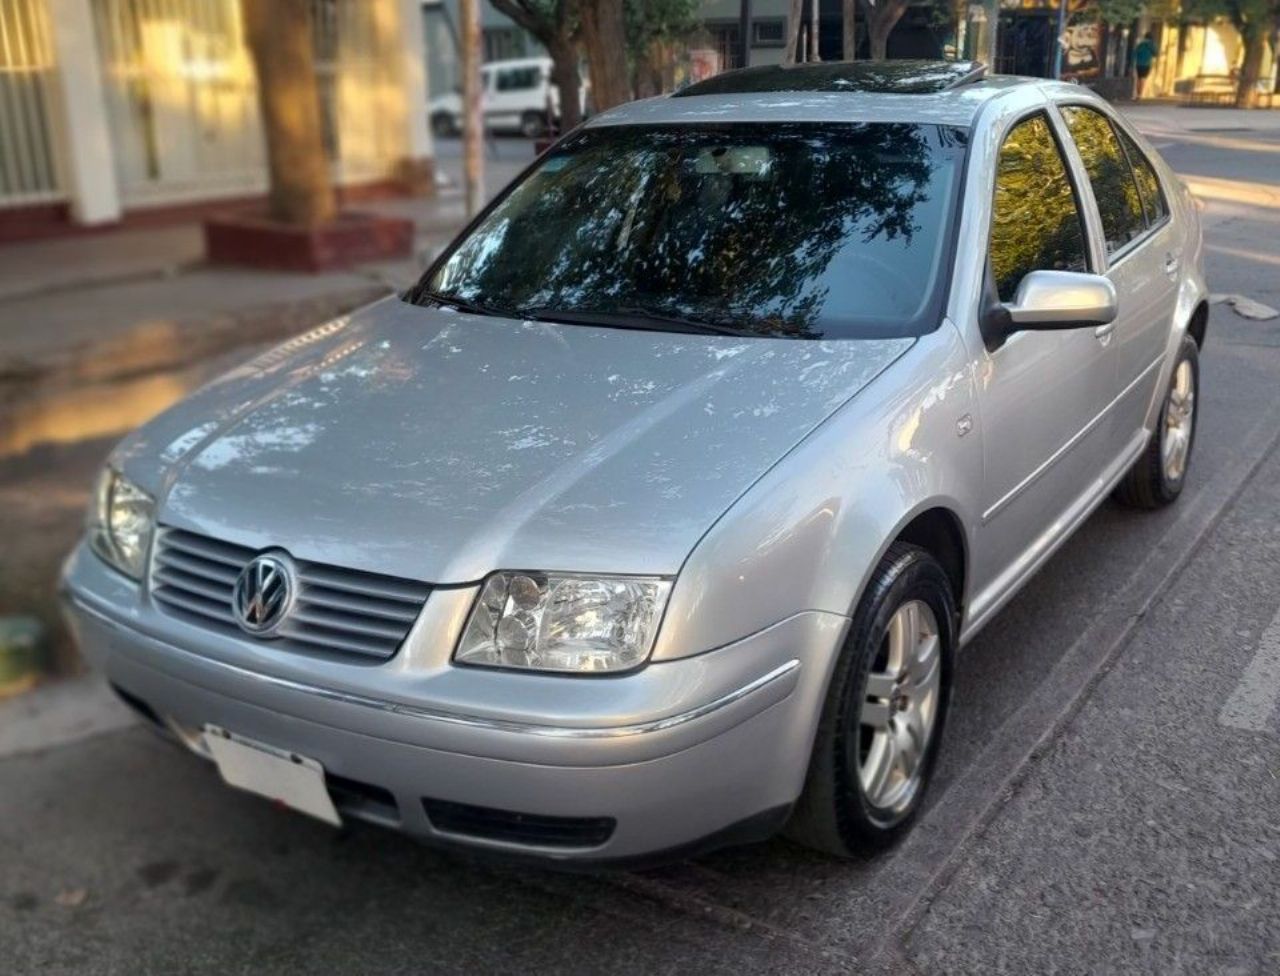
[{"x": 1153, "y": 198}]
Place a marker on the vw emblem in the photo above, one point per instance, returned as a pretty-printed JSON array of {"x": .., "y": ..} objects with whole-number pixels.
[{"x": 262, "y": 595}]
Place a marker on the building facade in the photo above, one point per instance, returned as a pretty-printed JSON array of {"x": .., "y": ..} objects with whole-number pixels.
[{"x": 115, "y": 110}]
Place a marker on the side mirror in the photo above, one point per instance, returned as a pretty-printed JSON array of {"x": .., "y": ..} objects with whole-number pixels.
[{"x": 1061, "y": 300}]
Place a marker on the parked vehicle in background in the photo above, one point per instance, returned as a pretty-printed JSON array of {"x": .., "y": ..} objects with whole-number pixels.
[
  {"x": 516, "y": 96},
  {"x": 656, "y": 515}
]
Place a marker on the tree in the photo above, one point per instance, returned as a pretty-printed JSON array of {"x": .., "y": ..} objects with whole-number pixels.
[
  {"x": 554, "y": 23},
  {"x": 279, "y": 37},
  {"x": 654, "y": 29},
  {"x": 793, "y": 32},
  {"x": 604, "y": 39},
  {"x": 849, "y": 28},
  {"x": 1254, "y": 19},
  {"x": 882, "y": 16}
]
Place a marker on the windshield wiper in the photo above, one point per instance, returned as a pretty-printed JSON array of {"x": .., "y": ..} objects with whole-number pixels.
[
  {"x": 627, "y": 317},
  {"x": 466, "y": 305}
]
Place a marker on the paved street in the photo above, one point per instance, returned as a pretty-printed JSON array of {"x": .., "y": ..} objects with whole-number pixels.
[{"x": 1106, "y": 801}]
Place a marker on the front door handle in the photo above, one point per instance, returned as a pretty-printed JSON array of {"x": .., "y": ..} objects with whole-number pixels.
[{"x": 1103, "y": 332}]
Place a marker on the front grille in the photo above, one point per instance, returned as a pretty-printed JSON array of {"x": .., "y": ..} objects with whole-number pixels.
[
  {"x": 341, "y": 613},
  {"x": 530, "y": 829}
]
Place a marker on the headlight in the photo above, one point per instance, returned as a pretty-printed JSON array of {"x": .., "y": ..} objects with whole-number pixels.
[
  {"x": 558, "y": 622},
  {"x": 120, "y": 522}
]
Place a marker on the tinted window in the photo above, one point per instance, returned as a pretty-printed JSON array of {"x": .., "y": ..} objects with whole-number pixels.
[
  {"x": 519, "y": 79},
  {"x": 802, "y": 230},
  {"x": 1148, "y": 183},
  {"x": 1119, "y": 203},
  {"x": 1035, "y": 221}
]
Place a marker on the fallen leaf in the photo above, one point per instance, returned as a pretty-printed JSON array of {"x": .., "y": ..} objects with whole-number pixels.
[
  {"x": 1246, "y": 307},
  {"x": 71, "y": 897}
]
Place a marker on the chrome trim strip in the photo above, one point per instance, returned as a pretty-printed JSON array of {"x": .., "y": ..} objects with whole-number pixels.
[
  {"x": 1075, "y": 439},
  {"x": 455, "y": 718}
]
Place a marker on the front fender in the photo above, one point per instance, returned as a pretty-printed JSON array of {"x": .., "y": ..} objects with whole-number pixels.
[{"x": 809, "y": 533}]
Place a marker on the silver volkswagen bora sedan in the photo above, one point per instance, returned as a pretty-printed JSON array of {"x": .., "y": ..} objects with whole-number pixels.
[{"x": 654, "y": 517}]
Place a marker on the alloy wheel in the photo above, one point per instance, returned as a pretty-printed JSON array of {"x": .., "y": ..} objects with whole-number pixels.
[
  {"x": 1179, "y": 422},
  {"x": 900, "y": 708}
]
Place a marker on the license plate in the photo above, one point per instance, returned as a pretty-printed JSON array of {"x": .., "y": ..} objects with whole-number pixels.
[{"x": 280, "y": 775}]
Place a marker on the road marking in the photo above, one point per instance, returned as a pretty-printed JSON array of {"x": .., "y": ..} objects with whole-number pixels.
[{"x": 1252, "y": 704}]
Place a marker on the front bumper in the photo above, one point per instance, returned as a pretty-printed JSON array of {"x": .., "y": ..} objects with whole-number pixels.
[{"x": 667, "y": 756}]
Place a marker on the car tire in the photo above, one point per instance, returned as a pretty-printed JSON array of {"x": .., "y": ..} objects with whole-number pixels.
[
  {"x": 1156, "y": 479},
  {"x": 533, "y": 125},
  {"x": 847, "y": 807},
  {"x": 443, "y": 124}
]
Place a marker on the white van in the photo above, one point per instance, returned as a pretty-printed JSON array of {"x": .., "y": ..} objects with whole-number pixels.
[{"x": 516, "y": 96}]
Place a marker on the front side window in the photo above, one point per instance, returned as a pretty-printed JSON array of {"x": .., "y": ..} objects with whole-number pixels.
[
  {"x": 1114, "y": 188},
  {"x": 1148, "y": 183},
  {"x": 794, "y": 230},
  {"x": 519, "y": 79},
  {"x": 1035, "y": 220}
]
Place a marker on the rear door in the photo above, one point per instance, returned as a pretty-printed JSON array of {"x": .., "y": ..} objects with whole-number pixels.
[
  {"x": 1143, "y": 256},
  {"x": 1044, "y": 395}
]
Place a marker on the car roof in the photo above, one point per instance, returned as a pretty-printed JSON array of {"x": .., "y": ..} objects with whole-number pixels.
[
  {"x": 901, "y": 77},
  {"x": 940, "y": 92},
  {"x": 514, "y": 63}
]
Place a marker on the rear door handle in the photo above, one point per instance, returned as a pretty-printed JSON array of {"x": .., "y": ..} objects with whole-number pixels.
[
  {"x": 1103, "y": 332},
  {"x": 1170, "y": 265}
]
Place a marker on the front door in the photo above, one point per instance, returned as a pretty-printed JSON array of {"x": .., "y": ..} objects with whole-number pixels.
[{"x": 1044, "y": 395}]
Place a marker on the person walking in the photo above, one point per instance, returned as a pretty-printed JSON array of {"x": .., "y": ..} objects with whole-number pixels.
[{"x": 1144, "y": 56}]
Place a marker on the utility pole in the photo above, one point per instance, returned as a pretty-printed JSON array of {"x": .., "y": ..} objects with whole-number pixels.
[
  {"x": 472, "y": 111},
  {"x": 744, "y": 34}
]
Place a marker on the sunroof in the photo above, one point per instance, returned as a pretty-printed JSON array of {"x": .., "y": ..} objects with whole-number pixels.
[{"x": 906, "y": 77}]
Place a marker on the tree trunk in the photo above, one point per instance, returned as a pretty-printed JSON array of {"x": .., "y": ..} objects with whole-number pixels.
[
  {"x": 564, "y": 72},
  {"x": 793, "y": 31},
  {"x": 1184, "y": 37},
  {"x": 650, "y": 74},
  {"x": 604, "y": 36},
  {"x": 472, "y": 109},
  {"x": 279, "y": 37},
  {"x": 849, "y": 28},
  {"x": 881, "y": 20},
  {"x": 1255, "y": 40}
]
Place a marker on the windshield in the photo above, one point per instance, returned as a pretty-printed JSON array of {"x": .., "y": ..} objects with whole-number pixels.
[{"x": 800, "y": 230}]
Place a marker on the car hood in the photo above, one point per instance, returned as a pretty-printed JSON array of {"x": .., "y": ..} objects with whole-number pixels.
[{"x": 429, "y": 444}]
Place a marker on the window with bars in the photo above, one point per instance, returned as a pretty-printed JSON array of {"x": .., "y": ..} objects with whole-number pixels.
[{"x": 28, "y": 170}]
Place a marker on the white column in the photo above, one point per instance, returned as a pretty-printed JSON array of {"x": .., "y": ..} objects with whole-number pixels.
[
  {"x": 86, "y": 159},
  {"x": 419, "y": 149}
]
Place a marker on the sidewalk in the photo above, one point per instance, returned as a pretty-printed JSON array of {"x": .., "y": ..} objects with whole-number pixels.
[{"x": 94, "y": 291}]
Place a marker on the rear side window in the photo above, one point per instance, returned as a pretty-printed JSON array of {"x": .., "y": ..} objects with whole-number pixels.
[
  {"x": 1114, "y": 186},
  {"x": 1035, "y": 221},
  {"x": 1148, "y": 183}
]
